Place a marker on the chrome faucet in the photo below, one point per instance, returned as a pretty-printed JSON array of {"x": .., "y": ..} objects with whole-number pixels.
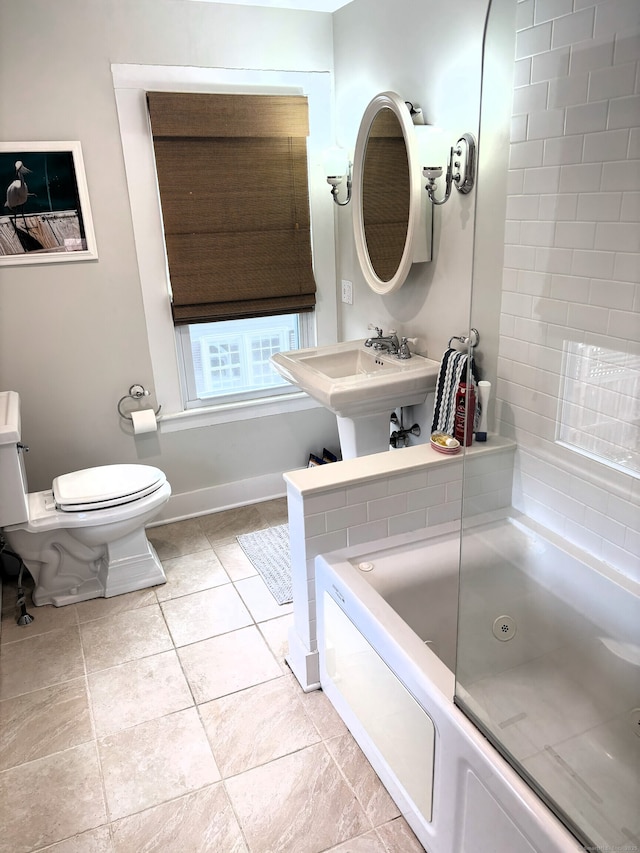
[{"x": 389, "y": 343}]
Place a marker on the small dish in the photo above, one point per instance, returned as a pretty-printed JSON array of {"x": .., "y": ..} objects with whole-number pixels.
[{"x": 444, "y": 443}]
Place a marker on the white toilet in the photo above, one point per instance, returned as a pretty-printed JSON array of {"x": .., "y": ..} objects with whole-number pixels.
[{"x": 85, "y": 537}]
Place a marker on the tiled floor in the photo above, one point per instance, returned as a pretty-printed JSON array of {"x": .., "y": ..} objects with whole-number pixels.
[{"x": 166, "y": 720}]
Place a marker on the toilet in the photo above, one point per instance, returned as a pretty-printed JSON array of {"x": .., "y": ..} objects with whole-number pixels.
[{"x": 85, "y": 537}]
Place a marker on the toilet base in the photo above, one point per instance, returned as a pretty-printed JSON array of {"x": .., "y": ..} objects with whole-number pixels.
[{"x": 66, "y": 571}]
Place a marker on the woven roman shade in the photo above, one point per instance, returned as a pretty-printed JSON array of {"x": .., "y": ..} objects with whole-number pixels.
[{"x": 232, "y": 173}]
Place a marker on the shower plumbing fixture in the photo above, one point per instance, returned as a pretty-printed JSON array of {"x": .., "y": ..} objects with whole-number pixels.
[
  {"x": 464, "y": 176},
  {"x": 136, "y": 392}
]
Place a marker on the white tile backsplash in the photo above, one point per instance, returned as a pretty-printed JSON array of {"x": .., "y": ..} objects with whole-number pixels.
[
  {"x": 630, "y": 209},
  {"x": 533, "y": 40},
  {"x": 547, "y": 66},
  {"x": 572, "y": 29},
  {"x": 585, "y": 279},
  {"x": 606, "y": 83},
  {"x": 599, "y": 206},
  {"x": 608, "y": 145}
]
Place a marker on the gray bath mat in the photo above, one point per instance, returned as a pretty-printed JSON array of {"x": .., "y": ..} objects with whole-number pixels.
[{"x": 268, "y": 551}]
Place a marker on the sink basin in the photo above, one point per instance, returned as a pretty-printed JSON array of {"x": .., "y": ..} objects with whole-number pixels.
[{"x": 359, "y": 385}]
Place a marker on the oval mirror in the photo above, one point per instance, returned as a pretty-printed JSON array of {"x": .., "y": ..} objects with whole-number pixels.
[{"x": 392, "y": 218}]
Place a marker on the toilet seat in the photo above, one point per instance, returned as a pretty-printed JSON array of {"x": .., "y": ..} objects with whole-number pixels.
[{"x": 105, "y": 486}]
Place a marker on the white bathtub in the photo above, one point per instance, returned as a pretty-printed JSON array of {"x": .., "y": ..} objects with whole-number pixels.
[{"x": 387, "y": 642}]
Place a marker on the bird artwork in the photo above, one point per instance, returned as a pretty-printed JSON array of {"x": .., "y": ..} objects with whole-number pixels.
[{"x": 18, "y": 193}]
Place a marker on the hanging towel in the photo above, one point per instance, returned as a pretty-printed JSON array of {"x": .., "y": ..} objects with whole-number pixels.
[{"x": 454, "y": 369}]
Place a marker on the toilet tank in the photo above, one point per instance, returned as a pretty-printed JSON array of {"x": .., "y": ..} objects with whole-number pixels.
[{"x": 14, "y": 507}]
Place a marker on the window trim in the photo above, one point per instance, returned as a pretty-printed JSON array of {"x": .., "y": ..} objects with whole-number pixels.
[{"x": 130, "y": 85}]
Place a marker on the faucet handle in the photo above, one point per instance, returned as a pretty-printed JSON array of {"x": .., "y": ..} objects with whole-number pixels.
[
  {"x": 377, "y": 329},
  {"x": 403, "y": 351}
]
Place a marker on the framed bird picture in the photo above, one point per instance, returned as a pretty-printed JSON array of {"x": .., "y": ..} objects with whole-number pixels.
[{"x": 46, "y": 215}]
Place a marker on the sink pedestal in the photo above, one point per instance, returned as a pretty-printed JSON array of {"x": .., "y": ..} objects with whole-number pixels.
[{"x": 363, "y": 435}]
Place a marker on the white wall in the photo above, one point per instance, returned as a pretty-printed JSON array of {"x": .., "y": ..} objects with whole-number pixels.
[
  {"x": 73, "y": 336},
  {"x": 380, "y": 46},
  {"x": 572, "y": 260}
]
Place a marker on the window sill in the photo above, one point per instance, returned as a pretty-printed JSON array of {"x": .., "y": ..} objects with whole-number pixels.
[{"x": 230, "y": 412}]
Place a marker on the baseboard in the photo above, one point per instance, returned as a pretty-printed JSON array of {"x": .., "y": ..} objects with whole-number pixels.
[{"x": 217, "y": 498}]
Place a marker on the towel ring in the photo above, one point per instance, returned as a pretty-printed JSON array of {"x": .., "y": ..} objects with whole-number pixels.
[
  {"x": 136, "y": 392},
  {"x": 473, "y": 340}
]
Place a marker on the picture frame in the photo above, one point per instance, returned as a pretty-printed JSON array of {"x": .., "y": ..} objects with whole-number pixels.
[{"x": 46, "y": 217}]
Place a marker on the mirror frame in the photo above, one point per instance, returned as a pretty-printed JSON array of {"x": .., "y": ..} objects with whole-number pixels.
[{"x": 417, "y": 247}]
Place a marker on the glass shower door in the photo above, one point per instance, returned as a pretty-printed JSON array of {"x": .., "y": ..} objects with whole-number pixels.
[{"x": 548, "y": 654}]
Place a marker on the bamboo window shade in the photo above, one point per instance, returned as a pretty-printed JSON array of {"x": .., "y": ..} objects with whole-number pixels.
[{"x": 232, "y": 174}]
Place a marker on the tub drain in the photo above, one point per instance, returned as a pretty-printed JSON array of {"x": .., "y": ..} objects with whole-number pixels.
[{"x": 504, "y": 628}]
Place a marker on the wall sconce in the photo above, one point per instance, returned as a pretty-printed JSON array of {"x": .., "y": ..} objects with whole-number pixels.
[
  {"x": 338, "y": 166},
  {"x": 464, "y": 176}
]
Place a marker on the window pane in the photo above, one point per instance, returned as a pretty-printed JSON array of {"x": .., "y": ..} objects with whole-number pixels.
[{"x": 232, "y": 356}]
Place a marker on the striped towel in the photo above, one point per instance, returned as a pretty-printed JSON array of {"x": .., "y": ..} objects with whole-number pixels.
[{"x": 454, "y": 369}]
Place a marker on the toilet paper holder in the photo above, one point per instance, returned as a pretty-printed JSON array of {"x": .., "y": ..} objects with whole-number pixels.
[{"x": 136, "y": 392}]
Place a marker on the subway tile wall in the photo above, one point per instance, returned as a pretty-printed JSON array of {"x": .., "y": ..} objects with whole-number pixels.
[{"x": 572, "y": 270}]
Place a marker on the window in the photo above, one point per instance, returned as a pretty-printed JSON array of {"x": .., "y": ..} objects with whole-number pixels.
[
  {"x": 600, "y": 405},
  {"x": 232, "y": 173},
  {"x": 229, "y": 360},
  {"x": 131, "y": 84}
]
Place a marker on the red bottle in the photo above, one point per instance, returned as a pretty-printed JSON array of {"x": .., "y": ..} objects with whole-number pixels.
[{"x": 465, "y": 413}]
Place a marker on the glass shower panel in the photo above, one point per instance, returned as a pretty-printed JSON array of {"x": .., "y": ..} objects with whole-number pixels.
[{"x": 548, "y": 652}]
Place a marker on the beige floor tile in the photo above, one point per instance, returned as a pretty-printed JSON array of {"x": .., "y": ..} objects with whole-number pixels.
[
  {"x": 398, "y": 837},
  {"x": 236, "y": 563},
  {"x": 224, "y": 526},
  {"x": 276, "y": 633},
  {"x": 99, "y": 608},
  {"x": 227, "y": 663},
  {"x": 318, "y": 809},
  {"x": 127, "y": 636},
  {"x": 191, "y": 573},
  {"x": 262, "y": 605},
  {"x": 178, "y": 538},
  {"x": 202, "y": 822},
  {"x": 371, "y": 794},
  {"x": 45, "y": 618},
  {"x": 50, "y": 799},
  {"x": 40, "y": 661},
  {"x": 274, "y": 511},
  {"x": 155, "y": 762},
  {"x": 94, "y": 841},
  {"x": 368, "y": 843},
  {"x": 43, "y": 722},
  {"x": 138, "y": 691},
  {"x": 323, "y": 715},
  {"x": 205, "y": 614},
  {"x": 256, "y": 725}
]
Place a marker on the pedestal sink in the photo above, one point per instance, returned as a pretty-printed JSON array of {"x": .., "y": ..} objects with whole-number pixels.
[{"x": 360, "y": 386}]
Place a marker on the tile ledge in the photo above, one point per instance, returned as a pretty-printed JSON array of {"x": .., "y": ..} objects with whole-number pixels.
[{"x": 408, "y": 460}]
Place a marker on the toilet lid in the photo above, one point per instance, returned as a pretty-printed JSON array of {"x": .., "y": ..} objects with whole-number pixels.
[{"x": 105, "y": 486}]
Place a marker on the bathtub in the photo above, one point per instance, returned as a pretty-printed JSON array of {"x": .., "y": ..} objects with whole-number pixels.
[{"x": 387, "y": 637}]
